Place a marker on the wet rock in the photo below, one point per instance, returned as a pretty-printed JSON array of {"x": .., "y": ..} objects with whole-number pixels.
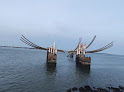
[
  {"x": 69, "y": 90},
  {"x": 116, "y": 89},
  {"x": 109, "y": 87},
  {"x": 102, "y": 90},
  {"x": 74, "y": 89},
  {"x": 88, "y": 88},
  {"x": 122, "y": 88},
  {"x": 94, "y": 91},
  {"x": 94, "y": 88},
  {"x": 81, "y": 89}
]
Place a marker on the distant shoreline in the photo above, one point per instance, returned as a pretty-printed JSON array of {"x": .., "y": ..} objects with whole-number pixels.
[
  {"x": 17, "y": 47},
  {"x": 35, "y": 48}
]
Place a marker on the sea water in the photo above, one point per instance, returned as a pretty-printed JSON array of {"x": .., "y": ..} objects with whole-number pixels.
[{"x": 25, "y": 70}]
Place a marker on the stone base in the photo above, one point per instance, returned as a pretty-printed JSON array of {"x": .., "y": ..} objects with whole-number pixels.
[
  {"x": 83, "y": 60},
  {"x": 51, "y": 58},
  {"x": 49, "y": 64},
  {"x": 83, "y": 67}
]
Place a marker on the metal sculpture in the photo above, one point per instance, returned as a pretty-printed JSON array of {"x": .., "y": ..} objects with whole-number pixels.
[
  {"x": 81, "y": 50},
  {"x": 51, "y": 51},
  {"x": 98, "y": 50},
  {"x": 52, "y": 54},
  {"x": 91, "y": 42},
  {"x": 28, "y": 42},
  {"x": 80, "y": 55},
  {"x": 71, "y": 54}
]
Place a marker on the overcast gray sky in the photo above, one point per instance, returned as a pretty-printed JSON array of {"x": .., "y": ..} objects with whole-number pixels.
[{"x": 63, "y": 21}]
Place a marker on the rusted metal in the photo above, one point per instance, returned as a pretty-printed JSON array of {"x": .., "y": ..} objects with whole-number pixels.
[
  {"x": 101, "y": 49},
  {"x": 91, "y": 42},
  {"x": 25, "y": 40},
  {"x": 28, "y": 42},
  {"x": 98, "y": 50}
]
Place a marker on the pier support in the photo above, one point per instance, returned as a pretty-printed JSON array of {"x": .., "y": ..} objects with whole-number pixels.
[
  {"x": 80, "y": 56},
  {"x": 52, "y": 55}
]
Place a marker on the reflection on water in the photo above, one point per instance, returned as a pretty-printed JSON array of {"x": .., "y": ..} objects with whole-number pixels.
[
  {"x": 83, "y": 68},
  {"x": 50, "y": 69},
  {"x": 82, "y": 74}
]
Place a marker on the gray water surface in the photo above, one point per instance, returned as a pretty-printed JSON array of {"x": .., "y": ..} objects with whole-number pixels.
[{"x": 25, "y": 70}]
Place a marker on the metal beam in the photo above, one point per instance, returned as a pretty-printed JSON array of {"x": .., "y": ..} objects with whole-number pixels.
[
  {"x": 101, "y": 49},
  {"x": 91, "y": 41},
  {"x": 28, "y": 42}
]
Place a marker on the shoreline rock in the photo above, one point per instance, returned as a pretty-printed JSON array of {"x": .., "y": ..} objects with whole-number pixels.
[{"x": 87, "y": 88}]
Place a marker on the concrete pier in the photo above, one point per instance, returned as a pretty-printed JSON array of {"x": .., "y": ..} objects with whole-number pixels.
[
  {"x": 51, "y": 58},
  {"x": 52, "y": 55},
  {"x": 83, "y": 60},
  {"x": 80, "y": 56}
]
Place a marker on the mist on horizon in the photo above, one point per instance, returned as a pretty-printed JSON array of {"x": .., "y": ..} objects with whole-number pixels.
[{"x": 63, "y": 22}]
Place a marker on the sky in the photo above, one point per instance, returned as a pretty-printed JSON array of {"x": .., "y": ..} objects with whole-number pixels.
[{"x": 63, "y": 22}]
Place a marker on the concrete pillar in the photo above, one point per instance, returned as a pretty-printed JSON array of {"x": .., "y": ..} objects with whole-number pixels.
[
  {"x": 55, "y": 51},
  {"x": 83, "y": 49},
  {"x": 49, "y": 49},
  {"x": 77, "y": 51},
  {"x": 79, "y": 47},
  {"x": 54, "y": 45}
]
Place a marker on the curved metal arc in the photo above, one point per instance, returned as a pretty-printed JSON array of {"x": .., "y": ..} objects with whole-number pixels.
[
  {"x": 78, "y": 43},
  {"x": 106, "y": 46},
  {"x": 29, "y": 41},
  {"x": 26, "y": 41},
  {"x": 60, "y": 50},
  {"x": 32, "y": 44},
  {"x": 101, "y": 49},
  {"x": 91, "y": 41},
  {"x": 98, "y": 50},
  {"x": 71, "y": 51}
]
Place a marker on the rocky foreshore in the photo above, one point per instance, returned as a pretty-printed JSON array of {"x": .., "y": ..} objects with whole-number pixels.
[{"x": 93, "y": 89}]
